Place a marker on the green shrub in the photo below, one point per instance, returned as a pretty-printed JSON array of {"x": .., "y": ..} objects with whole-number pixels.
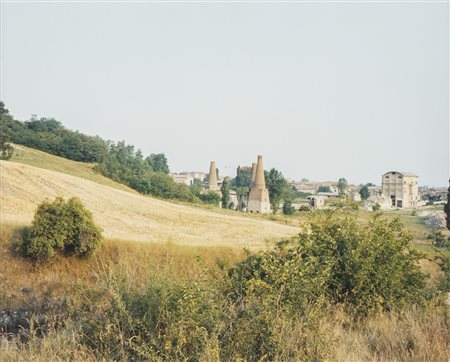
[
  {"x": 61, "y": 226},
  {"x": 164, "y": 321},
  {"x": 210, "y": 197},
  {"x": 366, "y": 267},
  {"x": 376, "y": 207},
  {"x": 439, "y": 240},
  {"x": 288, "y": 209}
]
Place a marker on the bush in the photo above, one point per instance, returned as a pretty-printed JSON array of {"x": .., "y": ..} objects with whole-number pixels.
[
  {"x": 163, "y": 321},
  {"x": 365, "y": 267},
  {"x": 304, "y": 208},
  {"x": 6, "y": 150},
  {"x": 439, "y": 240},
  {"x": 288, "y": 209},
  {"x": 376, "y": 207},
  {"x": 210, "y": 197},
  {"x": 60, "y": 226}
]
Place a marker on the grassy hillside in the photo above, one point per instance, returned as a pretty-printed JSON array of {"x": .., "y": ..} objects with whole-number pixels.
[
  {"x": 129, "y": 215},
  {"x": 33, "y": 157}
]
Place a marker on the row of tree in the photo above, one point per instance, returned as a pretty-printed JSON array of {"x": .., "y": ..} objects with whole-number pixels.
[{"x": 118, "y": 161}]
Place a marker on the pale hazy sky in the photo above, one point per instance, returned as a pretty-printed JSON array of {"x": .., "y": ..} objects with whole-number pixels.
[{"x": 322, "y": 90}]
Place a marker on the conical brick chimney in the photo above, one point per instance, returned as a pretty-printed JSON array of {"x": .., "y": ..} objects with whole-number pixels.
[
  {"x": 212, "y": 181},
  {"x": 260, "y": 182},
  {"x": 252, "y": 180},
  {"x": 258, "y": 198}
]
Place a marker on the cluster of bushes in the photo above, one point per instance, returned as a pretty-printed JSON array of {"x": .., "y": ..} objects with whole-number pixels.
[
  {"x": 60, "y": 227},
  {"x": 267, "y": 307},
  {"x": 270, "y": 306}
]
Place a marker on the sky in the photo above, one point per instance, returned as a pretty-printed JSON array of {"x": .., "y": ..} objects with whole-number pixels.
[{"x": 321, "y": 90}]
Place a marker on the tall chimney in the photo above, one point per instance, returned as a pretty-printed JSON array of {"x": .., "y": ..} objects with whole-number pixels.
[
  {"x": 252, "y": 180},
  {"x": 212, "y": 182},
  {"x": 260, "y": 183}
]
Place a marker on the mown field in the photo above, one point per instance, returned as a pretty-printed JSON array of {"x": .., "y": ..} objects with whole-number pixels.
[{"x": 129, "y": 215}]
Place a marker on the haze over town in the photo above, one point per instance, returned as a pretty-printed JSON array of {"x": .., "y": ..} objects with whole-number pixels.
[{"x": 345, "y": 90}]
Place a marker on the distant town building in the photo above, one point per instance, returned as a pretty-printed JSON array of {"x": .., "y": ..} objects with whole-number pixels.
[
  {"x": 258, "y": 198},
  {"x": 317, "y": 202},
  {"x": 313, "y": 187},
  {"x": 353, "y": 195},
  {"x": 375, "y": 191},
  {"x": 306, "y": 187},
  {"x": 198, "y": 175},
  {"x": 400, "y": 189},
  {"x": 183, "y": 179}
]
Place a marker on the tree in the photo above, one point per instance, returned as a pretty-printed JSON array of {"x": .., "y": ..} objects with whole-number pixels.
[
  {"x": 6, "y": 150},
  {"x": 447, "y": 208},
  {"x": 225, "y": 189},
  {"x": 342, "y": 186},
  {"x": 324, "y": 188},
  {"x": 364, "y": 192},
  {"x": 3, "y": 109},
  {"x": 158, "y": 162},
  {"x": 288, "y": 209},
  {"x": 242, "y": 178},
  {"x": 63, "y": 227},
  {"x": 277, "y": 186}
]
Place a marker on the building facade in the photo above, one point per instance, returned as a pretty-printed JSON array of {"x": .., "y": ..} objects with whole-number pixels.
[{"x": 401, "y": 189}]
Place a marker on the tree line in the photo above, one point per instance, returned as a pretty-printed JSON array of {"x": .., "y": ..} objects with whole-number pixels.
[{"x": 116, "y": 160}]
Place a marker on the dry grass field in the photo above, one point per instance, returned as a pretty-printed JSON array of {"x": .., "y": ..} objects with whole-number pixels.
[
  {"x": 129, "y": 215},
  {"x": 33, "y": 157}
]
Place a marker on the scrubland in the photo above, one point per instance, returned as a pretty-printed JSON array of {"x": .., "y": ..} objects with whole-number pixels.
[
  {"x": 154, "y": 301},
  {"x": 169, "y": 282}
]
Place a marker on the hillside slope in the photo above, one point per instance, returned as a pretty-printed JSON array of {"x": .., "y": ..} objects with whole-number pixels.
[
  {"x": 33, "y": 157},
  {"x": 128, "y": 215}
]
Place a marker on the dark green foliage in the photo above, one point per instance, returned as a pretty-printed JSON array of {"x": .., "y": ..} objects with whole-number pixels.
[
  {"x": 342, "y": 186},
  {"x": 277, "y": 186},
  {"x": 50, "y": 136},
  {"x": 447, "y": 209},
  {"x": 364, "y": 192},
  {"x": 242, "y": 179},
  {"x": 225, "y": 190},
  {"x": 376, "y": 207},
  {"x": 158, "y": 162},
  {"x": 324, "y": 188},
  {"x": 6, "y": 150},
  {"x": 64, "y": 227},
  {"x": 439, "y": 240},
  {"x": 288, "y": 209},
  {"x": 210, "y": 197}
]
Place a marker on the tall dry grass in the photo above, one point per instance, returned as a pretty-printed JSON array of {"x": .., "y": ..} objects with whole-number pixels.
[{"x": 57, "y": 334}]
